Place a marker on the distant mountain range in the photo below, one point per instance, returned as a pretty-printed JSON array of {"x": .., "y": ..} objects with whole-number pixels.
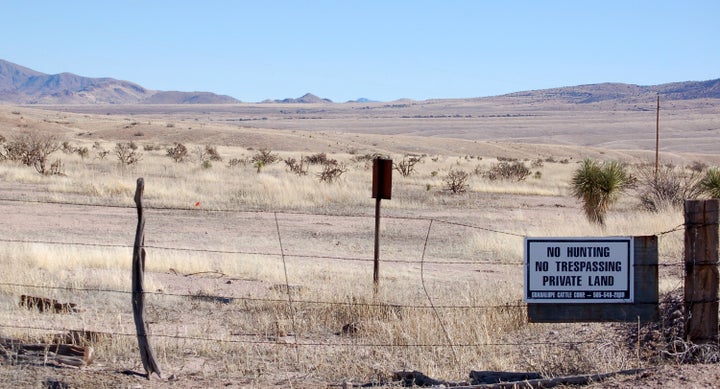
[{"x": 20, "y": 85}]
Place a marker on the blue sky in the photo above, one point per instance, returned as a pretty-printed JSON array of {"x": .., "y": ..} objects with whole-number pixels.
[{"x": 382, "y": 50}]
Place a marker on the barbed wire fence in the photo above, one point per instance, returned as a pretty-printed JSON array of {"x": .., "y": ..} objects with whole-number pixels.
[{"x": 295, "y": 302}]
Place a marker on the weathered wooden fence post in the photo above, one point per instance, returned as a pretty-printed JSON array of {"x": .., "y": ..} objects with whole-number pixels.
[
  {"x": 138, "y": 293},
  {"x": 701, "y": 270}
]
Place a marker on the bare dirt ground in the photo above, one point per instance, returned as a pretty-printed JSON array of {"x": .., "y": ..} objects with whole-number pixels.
[
  {"x": 521, "y": 130},
  {"x": 28, "y": 220}
]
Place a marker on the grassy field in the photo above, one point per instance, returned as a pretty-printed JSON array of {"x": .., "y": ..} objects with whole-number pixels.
[{"x": 263, "y": 277}]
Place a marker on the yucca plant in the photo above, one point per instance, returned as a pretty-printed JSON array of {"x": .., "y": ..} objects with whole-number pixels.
[
  {"x": 598, "y": 186},
  {"x": 710, "y": 184}
]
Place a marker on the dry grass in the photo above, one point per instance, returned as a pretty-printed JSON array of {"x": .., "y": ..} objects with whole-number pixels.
[{"x": 221, "y": 309}]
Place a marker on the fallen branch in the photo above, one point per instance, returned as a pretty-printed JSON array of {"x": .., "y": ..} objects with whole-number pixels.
[
  {"x": 37, "y": 353},
  {"x": 496, "y": 377},
  {"x": 584, "y": 379},
  {"x": 510, "y": 380},
  {"x": 213, "y": 272}
]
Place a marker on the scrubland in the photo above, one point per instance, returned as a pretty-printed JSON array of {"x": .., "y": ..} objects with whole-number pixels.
[{"x": 259, "y": 276}]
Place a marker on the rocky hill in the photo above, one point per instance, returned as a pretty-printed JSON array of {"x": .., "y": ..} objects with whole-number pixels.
[
  {"x": 20, "y": 85},
  {"x": 625, "y": 93},
  {"x": 174, "y": 97},
  {"x": 307, "y": 98}
]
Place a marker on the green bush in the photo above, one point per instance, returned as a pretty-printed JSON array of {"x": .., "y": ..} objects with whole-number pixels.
[
  {"x": 598, "y": 186},
  {"x": 710, "y": 184}
]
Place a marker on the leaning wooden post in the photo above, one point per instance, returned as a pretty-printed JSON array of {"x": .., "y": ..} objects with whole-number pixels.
[
  {"x": 701, "y": 270},
  {"x": 138, "y": 293}
]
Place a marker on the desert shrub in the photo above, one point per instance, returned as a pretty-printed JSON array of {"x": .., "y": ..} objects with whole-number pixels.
[
  {"x": 265, "y": 156},
  {"x": 478, "y": 170},
  {"x": 317, "y": 159},
  {"x": 126, "y": 154},
  {"x": 57, "y": 168},
  {"x": 361, "y": 158},
  {"x": 366, "y": 157},
  {"x": 178, "y": 152},
  {"x": 670, "y": 188},
  {"x": 31, "y": 149},
  {"x": 515, "y": 170},
  {"x": 101, "y": 153},
  {"x": 598, "y": 186},
  {"x": 298, "y": 167},
  {"x": 456, "y": 181},
  {"x": 710, "y": 184},
  {"x": 67, "y": 148},
  {"x": 237, "y": 161},
  {"x": 406, "y": 166},
  {"x": 698, "y": 166},
  {"x": 331, "y": 172},
  {"x": 212, "y": 153},
  {"x": 207, "y": 154},
  {"x": 82, "y": 151}
]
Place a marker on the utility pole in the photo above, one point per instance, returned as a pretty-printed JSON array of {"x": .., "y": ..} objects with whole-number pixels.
[{"x": 657, "y": 138}]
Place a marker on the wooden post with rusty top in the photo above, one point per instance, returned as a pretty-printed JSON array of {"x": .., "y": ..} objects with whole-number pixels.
[
  {"x": 701, "y": 270},
  {"x": 138, "y": 293},
  {"x": 381, "y": 189}
]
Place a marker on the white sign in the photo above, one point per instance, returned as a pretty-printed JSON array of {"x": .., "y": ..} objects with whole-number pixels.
[{"x": 579, "y": 270}]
